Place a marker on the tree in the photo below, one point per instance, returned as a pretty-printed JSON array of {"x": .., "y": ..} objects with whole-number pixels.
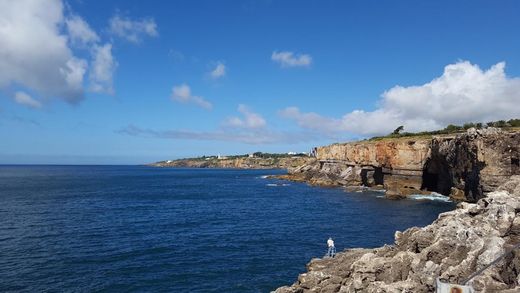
[
  {"x": 514, "y": 122},
  {"x": 398, "y": 130},
  {"x": 468, "y": 125},
  {"x": 501, "y": 123},
  {"x": 452, "y": 128}
]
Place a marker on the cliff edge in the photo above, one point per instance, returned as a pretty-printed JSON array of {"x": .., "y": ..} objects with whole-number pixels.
[
  {"x": 453, "y": 247},
  {"x": 464, "y": 166}
]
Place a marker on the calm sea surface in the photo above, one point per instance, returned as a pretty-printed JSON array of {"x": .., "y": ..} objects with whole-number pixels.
[{"x": 133, "y": 228}]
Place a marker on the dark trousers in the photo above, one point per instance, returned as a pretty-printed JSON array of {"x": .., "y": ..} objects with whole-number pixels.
[{"x": 331, "y": 251}]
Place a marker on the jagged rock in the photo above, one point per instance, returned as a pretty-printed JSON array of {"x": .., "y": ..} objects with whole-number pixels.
[
  {"x": 453, "y": 247},
  {"x": 512, "y": 186}
]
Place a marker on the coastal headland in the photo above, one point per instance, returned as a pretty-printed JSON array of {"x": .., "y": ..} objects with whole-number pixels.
[
  {"x": 463, "y": 166},
  {"x": 250, "y": 161}
]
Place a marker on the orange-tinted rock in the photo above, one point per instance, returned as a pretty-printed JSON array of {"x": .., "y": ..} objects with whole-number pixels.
[{"x": 463, "y": 166}]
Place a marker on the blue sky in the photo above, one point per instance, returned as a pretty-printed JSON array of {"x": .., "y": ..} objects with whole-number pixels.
[{"x": 110, "y": 82}]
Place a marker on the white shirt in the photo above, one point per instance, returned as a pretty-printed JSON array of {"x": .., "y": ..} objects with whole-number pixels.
[{"x": 330, "y": 243}]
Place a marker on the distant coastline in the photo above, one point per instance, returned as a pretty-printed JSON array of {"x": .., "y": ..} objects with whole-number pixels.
[{"x": 250, "y": 161}]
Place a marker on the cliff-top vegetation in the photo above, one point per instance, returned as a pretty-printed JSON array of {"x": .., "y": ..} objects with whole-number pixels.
[
  {"x": 452, "y": 129},
  {"x": 258, "y": 155}
]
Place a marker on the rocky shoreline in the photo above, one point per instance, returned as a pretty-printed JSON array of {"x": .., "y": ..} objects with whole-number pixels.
[
  {"x": 479, "y": 168},
  {"x": 453, "y": 247}
]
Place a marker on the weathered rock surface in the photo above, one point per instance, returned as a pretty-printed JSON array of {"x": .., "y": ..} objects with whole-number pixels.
[
  {"x": 462, "y": 166},
  {"x": 453, "y": 247},
  {"x": 238, "y": 163}
]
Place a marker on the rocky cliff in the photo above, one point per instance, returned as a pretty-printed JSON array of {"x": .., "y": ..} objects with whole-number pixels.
[
  {"x": 453, "y": 247},
  {"x": 239, "y": 163},
  {"x": 463, "y": 166}
]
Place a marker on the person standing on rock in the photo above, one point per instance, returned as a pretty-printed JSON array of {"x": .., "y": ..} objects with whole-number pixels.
[{"x": 331, "y": 252}]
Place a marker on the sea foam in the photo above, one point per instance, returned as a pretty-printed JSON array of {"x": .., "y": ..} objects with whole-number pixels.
[{"x": 433, "y": 196}]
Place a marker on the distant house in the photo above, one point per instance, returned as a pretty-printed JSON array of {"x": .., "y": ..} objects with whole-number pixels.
[
  {"x": 292, "y": 153},
  {"x": 219, "y": 157},
  {"x": 251, "y": 155},
  {"x": 169, "y": 161}
]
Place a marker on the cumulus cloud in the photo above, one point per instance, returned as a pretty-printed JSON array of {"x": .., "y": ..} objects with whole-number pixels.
[
  {"x": 35, "y": 54},
  {"x": 250, "y": 120},
  {"x": 80, "y": 32},
  {"x": 182, "y": 93},
  {"x": 219, "y": 71},
  {"x": 25, "y": 99},
  {"x": 103, "y": 67},
  {"x": 132, "y": 30},
  {"x": 463, "y": 93},
  {"x": 289, "y": 59}
]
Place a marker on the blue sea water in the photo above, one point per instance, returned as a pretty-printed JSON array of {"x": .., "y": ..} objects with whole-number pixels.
[{"x": 143, "y": 229}]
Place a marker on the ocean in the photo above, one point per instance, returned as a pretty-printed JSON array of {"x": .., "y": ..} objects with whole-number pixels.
[{"x": 145, "y": 229}]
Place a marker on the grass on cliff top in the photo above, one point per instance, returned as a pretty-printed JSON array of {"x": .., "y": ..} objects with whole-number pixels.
[{"x": 510, "y": 125}]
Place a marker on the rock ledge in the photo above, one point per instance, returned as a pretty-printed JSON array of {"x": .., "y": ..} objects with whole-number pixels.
[{"x": 453, "y": 247}]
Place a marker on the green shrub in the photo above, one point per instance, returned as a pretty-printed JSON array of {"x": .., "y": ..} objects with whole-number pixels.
[{"x": 450, "y": 129}]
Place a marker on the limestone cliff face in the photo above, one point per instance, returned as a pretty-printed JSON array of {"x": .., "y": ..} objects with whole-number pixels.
[
  {"x": 463, "y": 166},
  {"x": 391, "y": 154},
  {"x": 452, "y": 248}
]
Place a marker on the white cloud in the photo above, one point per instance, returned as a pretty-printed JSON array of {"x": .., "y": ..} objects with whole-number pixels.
[
  {"x": 289, "y": 59},
  {"x": 219, "y": 71},
  {"x": 310, "y": 120},
  {"x": 463, "y": 93},
  {"x": 73, "y": 73},
  {"x": 80, "y": 32},
  {"x": 250, "y": 119},
  {"x": 256, "y": 137},
  {"x": 35, "y": 54},
  {"x": 26, "y": 100},
  {"x": 250, "y": 129},
  {"x": 132, "y": 30},
  {"x": 103, "y": 67},
  {"x": 182, "y": 94}
]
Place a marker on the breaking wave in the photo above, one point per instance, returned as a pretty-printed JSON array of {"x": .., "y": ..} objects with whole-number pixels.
[
  {"x": 433, "y": 196},
  {"x": 277, "y": 184}
]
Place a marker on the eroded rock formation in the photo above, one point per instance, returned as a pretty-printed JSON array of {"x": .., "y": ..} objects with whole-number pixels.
[
  {"x": 463, "y": 166},
  {"x": 453, "y": 247}
]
